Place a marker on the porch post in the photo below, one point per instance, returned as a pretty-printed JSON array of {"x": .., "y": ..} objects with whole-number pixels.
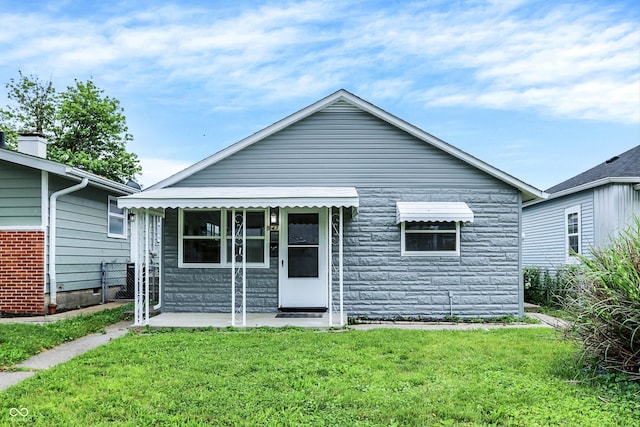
[
  {"x": 146, "y": 266},
  {"x": 340, "y": 256},
  {"x": 244, "y": 267},
  {"x": 330, "y": 261},
  {"x": 233, "y": 268},
  {"x": 135, "y": 259}
]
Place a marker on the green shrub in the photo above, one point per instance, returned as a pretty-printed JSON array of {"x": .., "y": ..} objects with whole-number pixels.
[
  {"x": 543, "y": 288},
  {"x": 605, "y": 308}
]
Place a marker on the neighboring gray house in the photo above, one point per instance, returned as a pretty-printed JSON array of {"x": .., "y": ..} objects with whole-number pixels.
[
  {"x": 57, "y": 224},
  {"x": 340, "y": 207},
  {"x": 582, "y": 212}
]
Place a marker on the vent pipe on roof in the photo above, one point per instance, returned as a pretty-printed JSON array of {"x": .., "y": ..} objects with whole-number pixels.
[{"x": 3, "y": 140}]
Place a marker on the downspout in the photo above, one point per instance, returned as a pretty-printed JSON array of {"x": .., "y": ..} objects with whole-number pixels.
[{"x": 53, "y": 284}]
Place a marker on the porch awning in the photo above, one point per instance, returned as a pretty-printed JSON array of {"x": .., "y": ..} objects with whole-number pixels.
[
  {"x": 433, "y": 211},
  {"x": 241, "y": 197}
]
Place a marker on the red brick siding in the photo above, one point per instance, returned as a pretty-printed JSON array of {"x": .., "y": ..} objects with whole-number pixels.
[{"x": 22, "y": 272}]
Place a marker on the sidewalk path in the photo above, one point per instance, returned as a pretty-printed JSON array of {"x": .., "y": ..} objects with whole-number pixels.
[
  {"x": 62, "y": 353},
  {"x": 49, "y": 318}
]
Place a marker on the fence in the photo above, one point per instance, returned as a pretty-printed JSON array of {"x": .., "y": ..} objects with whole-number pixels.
[{"x": 118, "y": 281}]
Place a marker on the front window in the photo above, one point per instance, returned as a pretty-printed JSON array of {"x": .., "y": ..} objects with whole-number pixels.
[
  {"x": 572, "y": 232},
  {"x": 207, "y": 238},
  {"x": 430, "y": 238},
  {"x": 116, "y": 220}
]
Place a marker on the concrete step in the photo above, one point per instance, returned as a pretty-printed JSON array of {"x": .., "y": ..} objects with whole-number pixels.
[{"x": 531, "y": 308}]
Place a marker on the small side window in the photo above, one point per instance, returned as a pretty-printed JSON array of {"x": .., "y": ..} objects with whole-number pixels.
[
  {"x": 573, "y": 227},
  {"x": 117, "y": 220}
]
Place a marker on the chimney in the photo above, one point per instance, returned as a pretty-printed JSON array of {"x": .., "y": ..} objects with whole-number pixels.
[
  {"x": 3, "y": 141},
  {"x": 33, "y": 144}
]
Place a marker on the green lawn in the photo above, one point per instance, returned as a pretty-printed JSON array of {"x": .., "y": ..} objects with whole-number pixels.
[
  {"x": 519, "y": 377},
  {"x": 19, "y": 341}
]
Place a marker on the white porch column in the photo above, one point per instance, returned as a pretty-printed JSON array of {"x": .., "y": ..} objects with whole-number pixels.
[
  {"x": 135, "y": 259},
  {"x": 244, "y": 267},
  {"x": 340, "y": 263},
  {"x": 330, "y": 261},
  {"x": 146, "y": 267},
  {"x": 233, "y": 267}
]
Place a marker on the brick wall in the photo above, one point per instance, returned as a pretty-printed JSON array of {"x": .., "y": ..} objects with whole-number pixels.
[{"x": 22, "y": 272}]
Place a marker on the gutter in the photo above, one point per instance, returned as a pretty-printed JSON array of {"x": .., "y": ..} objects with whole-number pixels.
[{"x": 53, "y": 283}]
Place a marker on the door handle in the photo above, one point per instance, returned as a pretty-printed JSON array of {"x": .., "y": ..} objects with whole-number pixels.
[{"x": 282, "y": 262}]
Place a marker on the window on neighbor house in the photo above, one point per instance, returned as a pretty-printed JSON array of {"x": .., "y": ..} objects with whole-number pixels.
[
  {"x": 572, "y": 232},
  {"x": 116, "y": 220},
  {"x": 206, "y": 238},
  {"x": 430, "y": 238}
]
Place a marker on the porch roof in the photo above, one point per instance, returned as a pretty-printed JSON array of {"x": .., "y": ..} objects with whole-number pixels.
[
  {"x": 241, "y": 197},
  {"x": 433, "y": 211}
]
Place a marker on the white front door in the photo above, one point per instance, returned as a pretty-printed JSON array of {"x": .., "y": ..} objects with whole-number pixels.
[{"x": 303, "y": 258}]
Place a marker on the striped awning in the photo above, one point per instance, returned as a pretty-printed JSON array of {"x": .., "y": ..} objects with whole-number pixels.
[
  {"x": 433, "y": 212},
  {"x": 241, "y": 197}
]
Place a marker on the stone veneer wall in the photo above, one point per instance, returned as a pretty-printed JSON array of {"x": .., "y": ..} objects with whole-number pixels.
[{"x": 483, "y": 281}]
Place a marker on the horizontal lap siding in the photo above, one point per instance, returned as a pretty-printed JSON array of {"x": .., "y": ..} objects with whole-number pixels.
[
  {"x": 543, "y": 225},
  {"x": 345, "y": 147},
  {"x": 20, "y": 195},
  {"x": 82, "y": 242}
]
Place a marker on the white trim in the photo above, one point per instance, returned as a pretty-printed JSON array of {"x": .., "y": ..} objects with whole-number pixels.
[
  {"x": 572, "y": 259},
  {"x": 22, "y": 228},
  {"x": 115, "y": 215},
  {"x": 223, "y": 238},
  {"x": 404, "y": 252},
  {"x": 343, "y": 95},
  {"x": 433, "y": 211}
]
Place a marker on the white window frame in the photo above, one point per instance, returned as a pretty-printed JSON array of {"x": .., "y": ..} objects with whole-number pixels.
[
  {"x": 122, "y": 216},
  {"x": 571, "y": 259},
  {"x": 224, "y": 212},
  {"x": 404, "y": 252}
]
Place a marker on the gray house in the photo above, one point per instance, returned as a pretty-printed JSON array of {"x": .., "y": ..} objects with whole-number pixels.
[
  {"x": 582, "y": 212},
  {"x": 57, "y": 224},
  {"x": 339, "y": 208}
]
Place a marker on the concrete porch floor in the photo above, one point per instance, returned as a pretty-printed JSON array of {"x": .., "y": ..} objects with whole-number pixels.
[{"x": 254, "y": 320}]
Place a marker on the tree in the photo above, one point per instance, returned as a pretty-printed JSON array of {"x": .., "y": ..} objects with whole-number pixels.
[
  {"x": 91, "y": 133},
  {"x": 32, "y": 109},
  {"x": 85, "y": 128}
]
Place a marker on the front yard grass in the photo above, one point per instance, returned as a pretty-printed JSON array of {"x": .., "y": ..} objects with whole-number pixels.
[
  {"x": 19, "y": 341},
  {"x": 519, "y": 377}
]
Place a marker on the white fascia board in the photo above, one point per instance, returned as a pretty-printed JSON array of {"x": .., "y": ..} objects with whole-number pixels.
[
  {"x": 589, "y": 185},
  {"x": 100, "y": 182},
  {"x": 342, "y": 94}
]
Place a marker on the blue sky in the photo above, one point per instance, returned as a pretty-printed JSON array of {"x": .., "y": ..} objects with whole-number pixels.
[{"x": 540, "y": 89}]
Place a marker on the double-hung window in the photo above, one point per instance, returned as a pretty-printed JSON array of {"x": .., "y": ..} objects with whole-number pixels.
[
  {"x": 430, "y": 238},
  {"x": 572, "y": 233},
  {"x": 207, "y": 238},
  {"x": 116, "y": 220}
]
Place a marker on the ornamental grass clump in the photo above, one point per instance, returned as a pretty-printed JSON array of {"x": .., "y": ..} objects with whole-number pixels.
[{"x": 606, "y": 305}]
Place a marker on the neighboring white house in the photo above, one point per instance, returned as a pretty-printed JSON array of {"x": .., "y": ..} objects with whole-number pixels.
[{"x": 582, "y": 212}]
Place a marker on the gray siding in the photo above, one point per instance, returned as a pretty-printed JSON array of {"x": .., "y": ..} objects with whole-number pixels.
[
  {"x": 82, "y": 242},
  {"x": 20, "y": 195},
  {"x": 615, "y": 206},
  {"x": 338, "y": 146},
  {"x": 544, "y": 234}
]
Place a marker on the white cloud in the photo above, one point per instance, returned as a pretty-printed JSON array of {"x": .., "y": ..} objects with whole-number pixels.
[{"x": 565, "y": 59}]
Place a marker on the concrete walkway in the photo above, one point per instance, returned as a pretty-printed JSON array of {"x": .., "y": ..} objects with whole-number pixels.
[{"x": 63, "y": 352}]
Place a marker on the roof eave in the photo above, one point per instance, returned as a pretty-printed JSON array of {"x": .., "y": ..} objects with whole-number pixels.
[{"x": 589, "y": 185}]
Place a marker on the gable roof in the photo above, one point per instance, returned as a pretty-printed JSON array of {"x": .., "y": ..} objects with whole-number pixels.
[
  {"x": 529, "y": 192},
  {"x": 60, "y": 169},
  {"x": 623, "y": 168}
]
